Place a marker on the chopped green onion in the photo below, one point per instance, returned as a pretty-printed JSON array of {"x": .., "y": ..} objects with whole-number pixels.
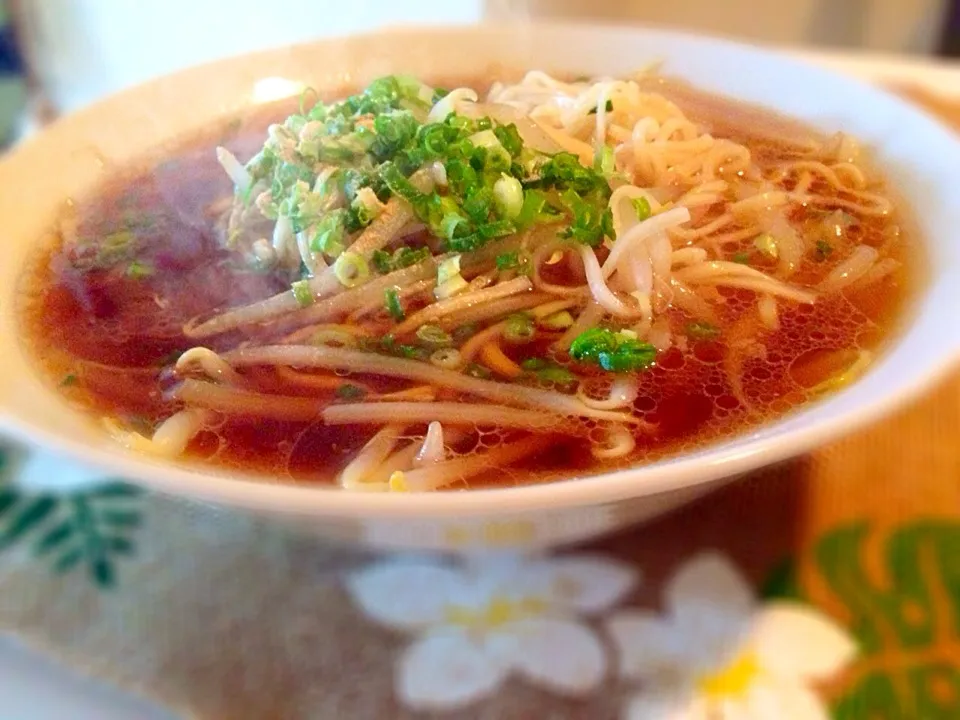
[
  {"x": 604, "y": 162},
  {"x": 589, "y": 224},
  {"x": 509, "y": 138},
  {"x": 399, "y": 185},
  {"x": 557, "y": 321},
  {"x": 389, "y": 345},
  {"x": 612, "y": 351},
  {"x": 464, "y": 332},
  {"x": 303, "y": 293},
  {"x": 741, "y": 257},
  {"x": 519, "y": 328},
  {"x": 394, "y": 130},
  {"x": 449, "y": 279},
  {"x": 412, "y": 89},
  {"x": 366, "y": 205},
  {"x": 303, "y": 206},
  {"x": 69, "y": 380},
  {"x": 450, "y": 223},
  {"x": 535, "y": 210},
  {"x": 548, "y": 372},
  {"x": 392, "y": 300},
  {"x": 414, "y": 352},
  {"x": 563, "y": 171},
  {"x": 118, "y": 239},
  {"x": 508, "y": 193},
  {"x": 477, "y": 371},
  {"x": 351, "y": 269},
  {"x": 508, "y": 261},
  {"x": 767, "y": 245},
  {"x": 434, "y": 336},
  {"x": 514, "y": 261},
  {"x": 447, "y": 358},
  {"x": 450, "y": 288},
  {"x": 642, "y": 207},
  {"x": 701, "y": 330},
  {"x": 556, "y": 375},
  {"x": 384, "y": 262},
  {"x": 608, "y": 106},
  {"x": 329, "y": 234},
  {"x": 824, "y": 250},
  {"x": 448, "y": 269},
  {"x": 138, "y": 270},
  {"x": 495, "y": 154},
  {"x": 348, "y": 391}
]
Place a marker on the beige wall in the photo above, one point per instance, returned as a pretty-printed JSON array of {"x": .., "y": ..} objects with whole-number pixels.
[
  {"x": 86, "y": 48},
  {"x": 884, "y": 25}
]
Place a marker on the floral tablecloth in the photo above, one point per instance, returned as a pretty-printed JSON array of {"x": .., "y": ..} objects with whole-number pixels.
[{"x": 828, "y": 586}]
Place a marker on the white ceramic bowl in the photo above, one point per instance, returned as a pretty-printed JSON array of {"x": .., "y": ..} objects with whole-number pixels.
[{"x": 921, "y": 158}]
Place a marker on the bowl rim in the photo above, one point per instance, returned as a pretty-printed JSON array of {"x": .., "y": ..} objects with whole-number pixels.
[{"x": 730, "y": 457}]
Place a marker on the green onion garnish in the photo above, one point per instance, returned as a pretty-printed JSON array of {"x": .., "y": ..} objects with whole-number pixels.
[
  {"x": 328, "y": 235},
  {"x": 464, "y": 332},
  {"x": 556, "y": 375},
  {"x": 519, "y": 328},
  {"x": 547, "y": 372},
  {"x": 508, "y": 261},
  {"x": 824, "y": 250},
  {"x": 702, "y": 330},
  {"x": 349, "y": 392},
  {"x": 434, "y": 336},
  {"x": 767, "y": 245},
  {"x": 383, "y": 262},
  {"x": 604, "y": 162},
  {"x": 642, "y": 207},
  {"x": 477, "y": 371},
  {"x": 608, "y": 106},
  {"x": 613, "y": 351},
  {"x": 138, "y": 270},
  {"x": 303, "y": 293},
  {"x": 557, "y": 321},
  {"x": 448, "y": 269},
  {"x": 508, "y": 193},
  {"x": 392, "y": 300},
  {"x": 351, "y": 269}
]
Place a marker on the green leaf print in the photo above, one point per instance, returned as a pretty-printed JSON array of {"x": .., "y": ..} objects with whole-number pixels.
[
  {"x": 91, "y": 528},
  {"x": 904, "y": 614}
]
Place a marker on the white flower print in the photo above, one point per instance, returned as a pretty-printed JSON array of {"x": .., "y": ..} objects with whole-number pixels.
[
  {"x": 44, "y": 472},
  {"x": 717, "y": 654},
  {"x": 492, "y": 617}
]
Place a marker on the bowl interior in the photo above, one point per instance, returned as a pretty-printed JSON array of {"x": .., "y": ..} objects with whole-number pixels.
[{"x": 920, "y": 157}]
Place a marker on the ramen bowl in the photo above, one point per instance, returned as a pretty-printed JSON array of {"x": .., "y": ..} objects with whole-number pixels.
[{"x": 68, "y": 160}]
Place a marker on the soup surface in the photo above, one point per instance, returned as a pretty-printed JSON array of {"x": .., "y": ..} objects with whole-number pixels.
[{"x": 411, "y": 289}]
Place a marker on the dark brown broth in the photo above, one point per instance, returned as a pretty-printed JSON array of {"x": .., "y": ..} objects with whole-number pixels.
[{"x": 104, "y": 337}]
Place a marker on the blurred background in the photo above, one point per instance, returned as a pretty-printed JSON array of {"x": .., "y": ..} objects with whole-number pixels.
[{"x": 59, "y": 55}]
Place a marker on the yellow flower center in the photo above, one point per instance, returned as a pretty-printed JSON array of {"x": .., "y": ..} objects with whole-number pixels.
[
  {"x": 497, "y": 612},
  {"x": 733, "y": 679}
]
